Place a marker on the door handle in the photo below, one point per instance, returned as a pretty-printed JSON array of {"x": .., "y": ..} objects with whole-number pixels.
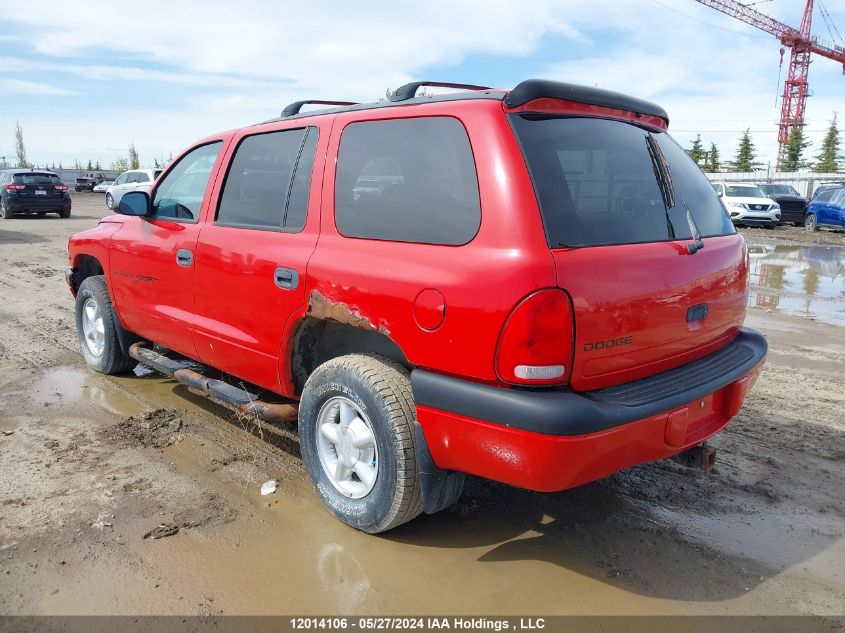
[
  {"x": 184, "y": 257},
  {"x": 286, "y": 278}
]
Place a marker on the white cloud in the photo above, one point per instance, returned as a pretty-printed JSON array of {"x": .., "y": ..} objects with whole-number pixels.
[
  {"x": 25, "y": 87},
  {"x": 228, "y": 64}
]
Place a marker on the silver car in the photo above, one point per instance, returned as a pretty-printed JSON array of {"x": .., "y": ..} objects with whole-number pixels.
[{"x": 132, "y": 180}]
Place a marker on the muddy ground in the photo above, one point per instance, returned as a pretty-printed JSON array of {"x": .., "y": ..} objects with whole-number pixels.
[{"x": 131, "y": 495}]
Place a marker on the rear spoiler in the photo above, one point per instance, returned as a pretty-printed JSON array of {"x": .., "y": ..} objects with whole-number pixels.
[{"x": 531, "y": 89}]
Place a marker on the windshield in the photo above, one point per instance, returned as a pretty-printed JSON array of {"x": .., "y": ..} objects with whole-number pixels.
[
  {"x": 601, "y": 182},
  {"x": 745, "y": 191}
]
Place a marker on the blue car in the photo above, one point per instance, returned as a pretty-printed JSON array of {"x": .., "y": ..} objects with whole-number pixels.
[{"x": 827, "y": 209}]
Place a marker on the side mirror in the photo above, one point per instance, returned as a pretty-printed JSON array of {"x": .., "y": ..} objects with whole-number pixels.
[{"x": 134, "y": 203}]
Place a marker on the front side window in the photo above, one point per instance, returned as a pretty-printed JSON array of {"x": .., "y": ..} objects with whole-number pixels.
[
  {"x": 180, "y": 194},
  {"x": 604, "y": 182},
  {"x": 122, "y": 179},
  {"x": 264, "y": 184},
  {"x": 407, "y": 180}
]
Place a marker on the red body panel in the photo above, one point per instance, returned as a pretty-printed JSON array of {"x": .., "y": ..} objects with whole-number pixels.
[
  {"x": 152, "y": 294},
  {"x": 480, "y": 282},
  {"x": 240, "y": 312}
]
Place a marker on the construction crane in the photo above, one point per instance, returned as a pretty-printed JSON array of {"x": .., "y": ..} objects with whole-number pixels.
[{"x": 802, "y": 44}]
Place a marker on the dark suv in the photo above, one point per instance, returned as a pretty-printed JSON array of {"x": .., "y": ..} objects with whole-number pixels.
[
  {"x": 536, "y": 286},
  {"x": 32, "y": 191},
  {"x": 793, "y": 206},
  {"x": 85, "y": 183}
]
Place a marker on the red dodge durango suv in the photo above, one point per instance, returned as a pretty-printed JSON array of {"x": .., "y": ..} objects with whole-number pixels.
[{"x": 536, "y": 286}]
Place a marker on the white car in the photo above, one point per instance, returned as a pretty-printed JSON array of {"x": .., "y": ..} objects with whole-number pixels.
[
  {"x": 747, "y": 204},
  {"x": 132, "y": 180},
  {"x": 103, "y": 186}
]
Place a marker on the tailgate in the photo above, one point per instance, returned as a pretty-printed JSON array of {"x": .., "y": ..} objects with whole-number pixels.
[{"x": 645, "y": 308}]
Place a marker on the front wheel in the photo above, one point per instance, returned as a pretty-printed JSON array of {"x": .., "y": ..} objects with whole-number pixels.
[
  {"x": 810, "y": 223},
  {"x": 95, "y": 326},
  {"x": 356, "y": 432},
  {"x": 109, "y": 201}
]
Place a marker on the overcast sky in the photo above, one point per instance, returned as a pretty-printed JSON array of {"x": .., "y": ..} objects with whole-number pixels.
[{"x": 84, "y": 80}]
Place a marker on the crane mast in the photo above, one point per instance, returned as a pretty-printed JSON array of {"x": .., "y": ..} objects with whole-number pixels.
[{"x": 802, "y": 45}]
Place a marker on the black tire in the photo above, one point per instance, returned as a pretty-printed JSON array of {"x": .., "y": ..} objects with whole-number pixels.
[
  {"x": 109, "y": 202},
  {"x": 5, "y": 214},
  {"x": 811, "y": 222},
  {"x": 111, "y": 360},
  {"x": 382, "y": 388},
  {"x": 64, "y": 213}
]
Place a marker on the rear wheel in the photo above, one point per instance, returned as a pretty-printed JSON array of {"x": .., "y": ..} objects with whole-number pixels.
[
  {"x": 810, "y": 223},
  {"x": 64, "y": 213},
  {"x": 356, "y": 430},
  {"x": 95, "y": 326},
  {"x": 5, "y": 214}
]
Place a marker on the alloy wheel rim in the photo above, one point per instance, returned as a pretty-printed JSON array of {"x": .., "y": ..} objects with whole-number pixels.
[
  {"x": 811, "y": 223},
  {"x": 109, "y": 201},
  {"x": 93, "y": 328},
  {"x": 346, "y": 446}
]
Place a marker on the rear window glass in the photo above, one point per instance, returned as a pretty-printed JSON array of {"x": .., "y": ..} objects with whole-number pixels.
[
  {"x": 407, "y": 180},
  {"x": 598, "y": 183},
  {"x": 36, "y": 179}
]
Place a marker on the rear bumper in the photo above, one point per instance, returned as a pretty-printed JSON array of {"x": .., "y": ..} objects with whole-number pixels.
[
  {"x": 38, "y": 204},
  {"x": 553, "y": 440}
]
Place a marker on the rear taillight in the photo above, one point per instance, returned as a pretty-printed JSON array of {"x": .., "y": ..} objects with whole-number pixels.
[
  {"x": 61, "y": 187},
  {"x": 535, "y": 347},
  {"x": 13, "y": 187}
]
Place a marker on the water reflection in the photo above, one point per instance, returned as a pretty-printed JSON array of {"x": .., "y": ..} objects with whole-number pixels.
[{"x": 801, "y": 280}]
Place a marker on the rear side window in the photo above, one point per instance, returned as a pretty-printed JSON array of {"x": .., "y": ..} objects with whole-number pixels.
[
  {"x": 141, "y": 177},
  {"x": 267, "y": 183},
  {"x": 598, "y": 182},
  {"x": 36, "y": 179},
  {"x": 407, "y": 180}
]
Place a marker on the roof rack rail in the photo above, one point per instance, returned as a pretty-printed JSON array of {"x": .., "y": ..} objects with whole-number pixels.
[
  {"x": 296, "y": 106},
  {"x": 409, "y": 91}
]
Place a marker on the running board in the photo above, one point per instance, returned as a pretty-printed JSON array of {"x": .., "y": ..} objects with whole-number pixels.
[{"x": 233, "y": 397}]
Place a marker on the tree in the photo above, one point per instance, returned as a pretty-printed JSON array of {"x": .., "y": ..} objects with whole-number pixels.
[
  {"x": 793, "y": 160},
  {"x": 134, "y": 161},
  {"x": 697, "y": 150},
  {"x": 746, "y": 154},
  {"x": 120, "y": 164},
  {"x": 97, "y": 166},
  {"x": 830, "y": 158},
  {"x": 20, "y": 148},
  {"x": 156, "y": 163},
  {"x": 77, "y": 164},
  {"x": 713, "y": 161},
  {"x": 90, "y": 166}
]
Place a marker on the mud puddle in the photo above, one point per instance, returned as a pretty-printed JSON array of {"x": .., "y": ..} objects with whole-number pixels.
[{"x": 805, "y": 280}]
